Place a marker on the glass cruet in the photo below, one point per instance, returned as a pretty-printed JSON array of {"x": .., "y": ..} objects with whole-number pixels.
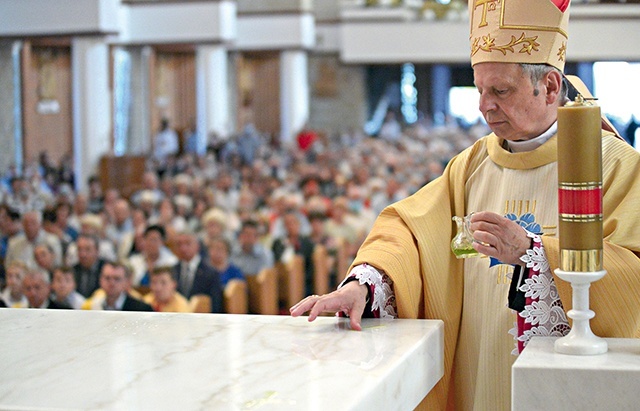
[{"x": 462, "y": 243}]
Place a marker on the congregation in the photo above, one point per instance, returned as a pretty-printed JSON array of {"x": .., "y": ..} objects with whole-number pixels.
[{"x": 201, "y": 221}]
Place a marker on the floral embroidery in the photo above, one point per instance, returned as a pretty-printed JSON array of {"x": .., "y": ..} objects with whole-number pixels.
[
  {"x": 536, "y": 259},
  {"x": 543, "y": 314},
  {"x": 539, "y": 312},
  {"x": 536, "y": 287},
  {"x": 529, "y": 44},
  {"x": 562, "y": 51},
  {"x": 526, "y": 221}
]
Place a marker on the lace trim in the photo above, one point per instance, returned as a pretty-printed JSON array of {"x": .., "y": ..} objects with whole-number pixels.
[
  {"x": 382, "y": 289},
  {"x": 543, "y": 314}
]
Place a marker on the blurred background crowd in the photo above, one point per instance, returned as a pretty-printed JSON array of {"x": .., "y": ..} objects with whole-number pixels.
[{"x": 246, "y": 204}]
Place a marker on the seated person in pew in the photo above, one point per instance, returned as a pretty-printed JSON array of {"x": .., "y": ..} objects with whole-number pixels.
[
  {"x": 320, "y": 236},
  {"x": 114, "y": 295},
  {"x": 219, "y": 250},
  {"x": 91, "y": 225},
  {"x": 405, "y": 268},
  {"x": 293, "y": 242},
  {"x": 63, "y": 286},
  {"x": 37, "y": 288},
  {"x": 195, "y": 275},
  {"x": 164, "y": 296},
  {"x": 87, "y": 269},
  {"x": 44, "y": 257},
  {"x": 249, "y": 255},
  {"x": 12, "y": 294},
  {"x": 155, "y": 253}
]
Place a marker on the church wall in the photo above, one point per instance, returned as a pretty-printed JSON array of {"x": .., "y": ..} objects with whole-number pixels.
[
  {"x": 47, "y": 101},
  {"x": 338, "y": 94}
]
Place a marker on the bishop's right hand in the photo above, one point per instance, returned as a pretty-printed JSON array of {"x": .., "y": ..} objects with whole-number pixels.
[{"x": 350, "y": 299}]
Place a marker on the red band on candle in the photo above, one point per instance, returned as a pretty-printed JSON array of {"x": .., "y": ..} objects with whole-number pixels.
[{"x": 576, "y": 202}]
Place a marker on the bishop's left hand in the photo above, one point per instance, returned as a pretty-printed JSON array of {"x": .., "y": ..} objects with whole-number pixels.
[{"x": 497, "y": 236}]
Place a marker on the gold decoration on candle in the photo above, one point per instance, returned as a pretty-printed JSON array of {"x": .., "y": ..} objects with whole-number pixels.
[
  {"x": 580, "y": 186},
  {"x": 581, "y": 260}
]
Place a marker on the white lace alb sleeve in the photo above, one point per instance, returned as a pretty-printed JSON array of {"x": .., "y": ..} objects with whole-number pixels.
[{"x": 383, "y": 304}]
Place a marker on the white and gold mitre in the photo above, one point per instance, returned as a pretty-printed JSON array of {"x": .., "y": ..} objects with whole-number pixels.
[{"x": 519, "y": 31}]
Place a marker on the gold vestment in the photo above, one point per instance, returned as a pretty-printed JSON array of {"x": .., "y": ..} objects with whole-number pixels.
[{"x": 410, "y": 242}]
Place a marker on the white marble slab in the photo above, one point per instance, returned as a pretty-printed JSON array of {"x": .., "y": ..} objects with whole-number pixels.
[
  {"x": 81, "y": 360},
  {"x": 545, "y": 380}
]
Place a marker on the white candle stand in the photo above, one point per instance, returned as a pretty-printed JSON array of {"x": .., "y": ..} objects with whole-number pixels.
[{"x": 580, "y": 340}]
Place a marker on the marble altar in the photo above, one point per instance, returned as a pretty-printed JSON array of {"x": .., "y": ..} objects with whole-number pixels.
[
  {"x": 80, "y": 360},
  {"x": 545, "y": 380}
]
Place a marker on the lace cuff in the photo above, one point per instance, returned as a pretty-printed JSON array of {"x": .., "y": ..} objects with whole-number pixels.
[
  {"x": 383, "y": 304},
  {"x": 535, "y": 257},
  {"x": 542, "y": 313}
]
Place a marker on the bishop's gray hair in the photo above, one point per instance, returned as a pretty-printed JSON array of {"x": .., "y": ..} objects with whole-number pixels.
[{"x": 536, "y": 72}]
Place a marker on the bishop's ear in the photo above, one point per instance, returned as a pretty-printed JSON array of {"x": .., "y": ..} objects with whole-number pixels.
[{"x": 553, "y": 86}]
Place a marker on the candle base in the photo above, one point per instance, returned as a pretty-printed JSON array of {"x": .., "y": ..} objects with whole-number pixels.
[{"x": 580, "y": 340}]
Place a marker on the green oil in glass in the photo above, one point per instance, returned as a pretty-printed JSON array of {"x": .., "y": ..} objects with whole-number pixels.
[{"x": 465, "y": 252}]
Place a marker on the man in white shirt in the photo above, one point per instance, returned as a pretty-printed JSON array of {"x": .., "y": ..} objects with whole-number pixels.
[
  {"x": 22, "y": 245},
  {"x": 166, "y": 142}
]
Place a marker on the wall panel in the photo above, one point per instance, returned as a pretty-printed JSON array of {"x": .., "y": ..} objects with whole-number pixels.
[{"x": 47, "y": 105}]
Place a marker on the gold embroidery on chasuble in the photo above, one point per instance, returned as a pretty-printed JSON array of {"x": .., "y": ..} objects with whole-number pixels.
[{"x": 527, "y": 196}]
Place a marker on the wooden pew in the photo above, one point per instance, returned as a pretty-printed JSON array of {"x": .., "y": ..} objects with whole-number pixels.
[
  {"x": 235, "y": 297},
  {"x": 263, "y": 292},
  {"x": 321, "y": 269},
  {"x": 342, "y": 262},
  {"x": 290, "y": 280},
  {"x": 200, "y": 303}
]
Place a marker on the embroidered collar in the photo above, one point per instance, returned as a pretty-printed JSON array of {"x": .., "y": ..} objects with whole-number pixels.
[{"x": 545, "y": 153}]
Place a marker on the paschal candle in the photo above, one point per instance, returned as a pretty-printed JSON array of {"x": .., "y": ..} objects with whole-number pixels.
[{"x": 580, "y": 186}]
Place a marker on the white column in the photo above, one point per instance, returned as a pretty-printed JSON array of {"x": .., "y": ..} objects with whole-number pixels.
[
  {"x": 10, "y": 103},
  {"x": 294, "y": 92},
  {"x": 91, "y": 105},
  {"x": 212, "y": 93},
  {"x": 140, "y": 136}
]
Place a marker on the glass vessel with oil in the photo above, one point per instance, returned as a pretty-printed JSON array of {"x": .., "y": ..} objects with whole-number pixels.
[{"x": 462, "y": 243}]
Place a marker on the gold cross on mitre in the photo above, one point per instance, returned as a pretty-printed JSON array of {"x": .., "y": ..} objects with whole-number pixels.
[{"x": 486, "y": 4}]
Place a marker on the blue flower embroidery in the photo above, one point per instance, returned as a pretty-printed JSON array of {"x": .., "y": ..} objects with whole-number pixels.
[{"x": 527, "y": 221}]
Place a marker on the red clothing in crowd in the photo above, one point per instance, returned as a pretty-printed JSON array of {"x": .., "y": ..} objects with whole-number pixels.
[{"x": 306, "y": 138}]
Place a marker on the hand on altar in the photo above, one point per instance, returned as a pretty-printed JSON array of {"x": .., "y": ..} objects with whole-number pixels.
[
  {"x": 350, "y": 299},
  {"x": 497, "y": 236}
]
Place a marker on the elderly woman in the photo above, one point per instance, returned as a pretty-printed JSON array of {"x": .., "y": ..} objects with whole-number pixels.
[
  {"x": 219, "y": 251},
  {"x": 214, "y": 225}
]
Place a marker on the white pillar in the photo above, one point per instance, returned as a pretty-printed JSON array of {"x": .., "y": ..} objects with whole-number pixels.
[
  {"x": 294, "y": 92},
  {"x": 91, "y": 105},
  {"x": 140, "y": 135},
  {"x": 212, "y": 93},
  {"x": 10, "y": 103}
]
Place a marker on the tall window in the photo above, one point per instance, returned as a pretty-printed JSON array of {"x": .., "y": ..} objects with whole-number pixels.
[
  {"x": 617, "y": 87},
  {"x": 409, "y": 94},
  {"x": 121, "y": 100},
  {"x": 464, "y": 103}
]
